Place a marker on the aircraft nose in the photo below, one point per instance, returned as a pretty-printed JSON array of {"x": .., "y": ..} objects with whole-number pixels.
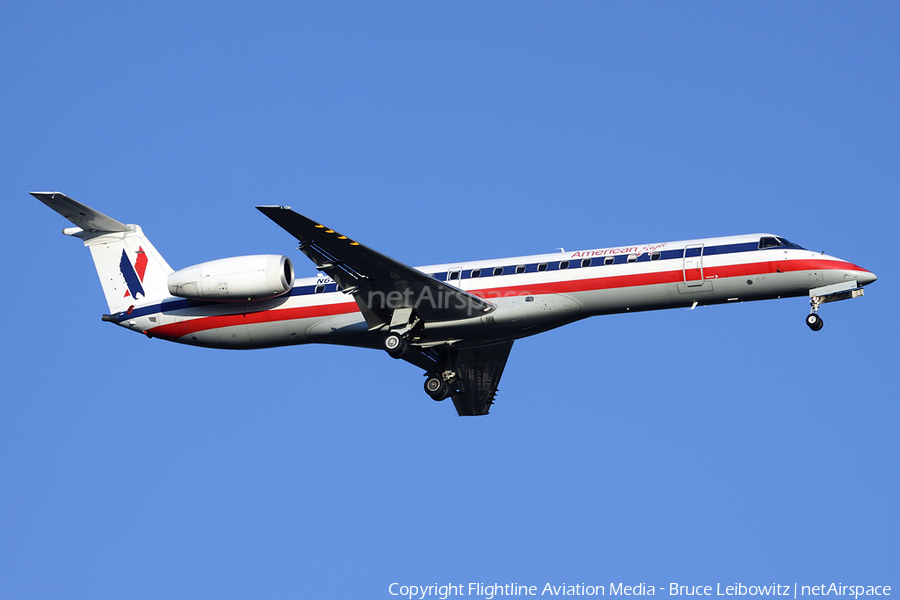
[{"x": 866, "y": 277}]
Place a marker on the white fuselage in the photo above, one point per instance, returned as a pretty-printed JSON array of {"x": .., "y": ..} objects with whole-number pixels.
[{"x": 532, "y": 294}]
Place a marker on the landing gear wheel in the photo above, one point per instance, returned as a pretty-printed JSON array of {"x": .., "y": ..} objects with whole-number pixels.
[
  {"x": 437, "y": 388},
  {"x": 814, "y": 321},
  {"x": 395, "y": 344}
]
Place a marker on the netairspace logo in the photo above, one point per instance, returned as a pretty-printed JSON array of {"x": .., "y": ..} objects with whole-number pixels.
[{"x": 490, "y": 591}]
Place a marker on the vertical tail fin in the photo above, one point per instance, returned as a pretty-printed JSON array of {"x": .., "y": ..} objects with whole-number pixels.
[{"x": 131, "y": 271}]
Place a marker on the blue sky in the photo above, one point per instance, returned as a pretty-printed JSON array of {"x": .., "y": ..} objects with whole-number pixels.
[{"x": 722, "y": 445}]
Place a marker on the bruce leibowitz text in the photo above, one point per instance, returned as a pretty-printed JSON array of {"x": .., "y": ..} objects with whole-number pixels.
[{"x": 490, "y": 591}]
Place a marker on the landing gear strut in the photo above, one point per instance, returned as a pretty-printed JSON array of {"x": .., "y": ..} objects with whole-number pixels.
[{"x": 813, "y": 319}]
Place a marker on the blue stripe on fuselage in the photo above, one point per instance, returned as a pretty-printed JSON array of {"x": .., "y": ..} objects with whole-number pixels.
[{"x": 174, "y": 304}]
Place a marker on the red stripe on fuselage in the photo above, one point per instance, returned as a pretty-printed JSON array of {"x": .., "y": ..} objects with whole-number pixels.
[
  {"x": 675, "y": 276},
  {"x": 174, "y": 331}
]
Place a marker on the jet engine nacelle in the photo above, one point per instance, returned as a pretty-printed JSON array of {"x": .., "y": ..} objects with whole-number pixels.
[{"x": 237, "y": 279}]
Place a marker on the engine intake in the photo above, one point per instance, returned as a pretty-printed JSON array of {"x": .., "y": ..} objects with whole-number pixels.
[{"x": 237, "y": 279}]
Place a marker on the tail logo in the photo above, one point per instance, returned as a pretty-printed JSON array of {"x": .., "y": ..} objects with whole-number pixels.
[{"x": 134, "y": 274}]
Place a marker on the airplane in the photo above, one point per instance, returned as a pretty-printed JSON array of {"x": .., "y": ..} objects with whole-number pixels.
[{"x": 456, "y": 321}]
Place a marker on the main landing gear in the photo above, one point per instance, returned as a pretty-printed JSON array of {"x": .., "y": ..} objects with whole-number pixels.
[
  {"x": 441, "y": 378},
  {"x": 395, "y": 344},
  {"x": 403, "y": 323},
  {"x": 437, "y": 387}
]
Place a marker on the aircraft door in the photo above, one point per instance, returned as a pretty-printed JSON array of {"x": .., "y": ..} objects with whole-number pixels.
[{"x": 693, "y": 265}]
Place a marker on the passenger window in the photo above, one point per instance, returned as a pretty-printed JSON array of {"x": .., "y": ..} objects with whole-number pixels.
[
  {"x": 453, "y": 276},
  {"x": 632, "y": 258},
  {"x": 520, "y": 269},
  {"x": 585, "y": 263},
  {"x": 542, "y": 267},
  {"x": 654, "y": 255},
  {"x": 609, "y": 260},
  {"x": 563, "y": 265},
  {"x": 476, "y": 273},
  {"x": 769, "y": 242},
  {"x": 320, "y": 288},
  {"x": 498, "y": 271}
]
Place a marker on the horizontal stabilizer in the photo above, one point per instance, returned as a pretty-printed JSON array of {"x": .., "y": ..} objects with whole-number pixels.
[
  {"x": 85, "y": 217},
  {"x": 130, "y": 269}
]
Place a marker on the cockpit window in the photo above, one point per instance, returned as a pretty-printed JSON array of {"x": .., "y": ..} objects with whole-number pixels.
[
  {"x": 788, "y": 244},
  {"x": 777, "y": 242}
]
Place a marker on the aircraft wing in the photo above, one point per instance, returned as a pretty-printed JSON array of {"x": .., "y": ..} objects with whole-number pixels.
[
  {"x": 378, "y": 283},
  {"x": 478, "y": 374}
]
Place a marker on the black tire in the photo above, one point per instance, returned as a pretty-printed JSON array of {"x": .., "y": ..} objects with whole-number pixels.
[
  {"x": 395, "y": 345},
  {"x": 814, "y": 321},
  {"x": 437, "y": 388}
]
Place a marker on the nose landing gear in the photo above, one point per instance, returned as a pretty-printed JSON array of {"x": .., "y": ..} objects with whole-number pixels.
[
  {"x": 829, "y": 293},
  {"x": 814, "y": 321}
]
